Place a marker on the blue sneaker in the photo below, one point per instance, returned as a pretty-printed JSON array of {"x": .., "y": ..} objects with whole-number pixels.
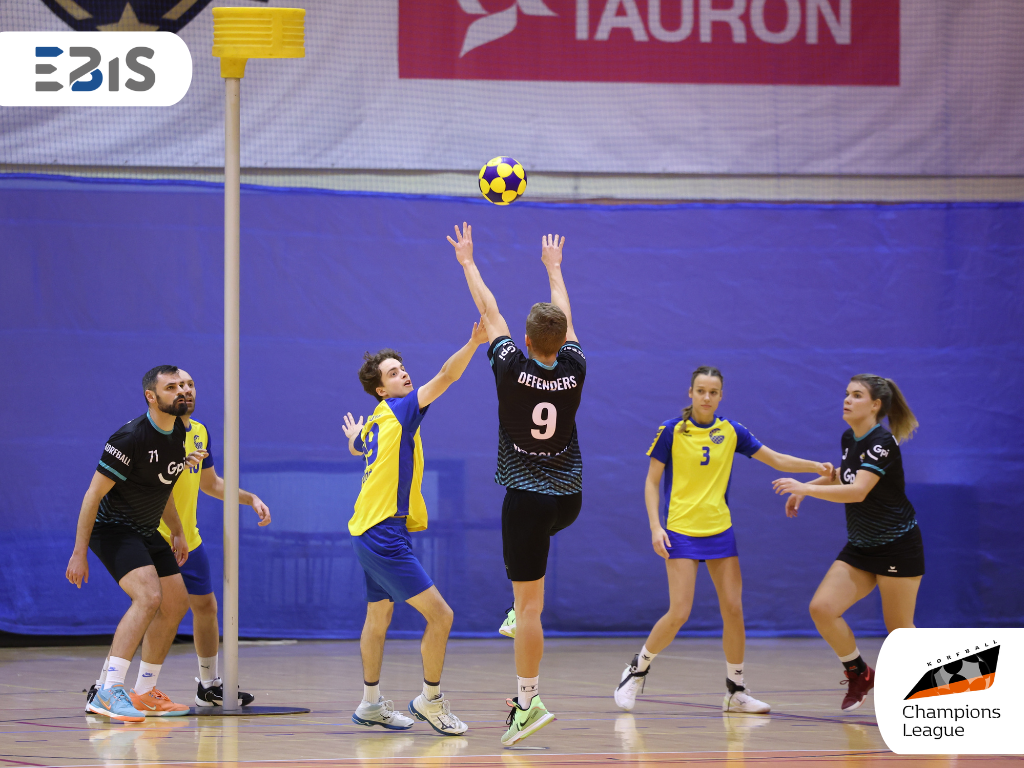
[{"x": 115, "y": 704}]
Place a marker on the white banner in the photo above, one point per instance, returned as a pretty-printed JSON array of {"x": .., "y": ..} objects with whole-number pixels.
[
  {"x": 861, "y": 87},
  {"x": 951, "y": 691}
]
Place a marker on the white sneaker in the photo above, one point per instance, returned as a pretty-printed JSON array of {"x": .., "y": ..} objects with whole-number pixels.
[
  {"x": 741, "y": 701},
  {"x": 437, "y": 714},
  {"x": 631, "y": 683},
  {"x": 383, "y": 714},
  {"x": 508, "y": 626}
]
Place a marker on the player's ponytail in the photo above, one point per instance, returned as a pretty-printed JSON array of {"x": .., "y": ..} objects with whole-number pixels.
[
  {"x": 902, "y": 422},
  {"x": 704, "y": 370}
]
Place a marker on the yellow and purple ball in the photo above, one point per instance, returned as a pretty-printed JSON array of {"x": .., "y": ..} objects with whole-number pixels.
[{"x": 502, "y": 180}]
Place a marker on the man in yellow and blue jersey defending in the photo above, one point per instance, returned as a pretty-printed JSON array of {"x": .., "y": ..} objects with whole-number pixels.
[
  {"x": 197, "y": 576},
  {"x": 196, "y": 570},
  {"x": 389, "y": 506}
]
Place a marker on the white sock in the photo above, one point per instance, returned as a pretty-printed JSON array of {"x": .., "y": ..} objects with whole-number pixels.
[
  {"x": 371, "y": 693},
  {"x": 148, "y": 673},
  {"x": 208, "y": 670},
  {"x": 103, "y": 674},
  {"x": 117, "y": 668},
  {"x": 528, "y": 688},
  {"x": 734, "y": 672},
  {"x": 850, "y": 656},
  {"x": 644, "y": 659},
  {"x": 431, "y": 691}
]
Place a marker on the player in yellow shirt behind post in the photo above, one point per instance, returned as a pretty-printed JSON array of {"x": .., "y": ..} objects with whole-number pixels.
[
  {"x": 389, "y": 506},
  {"x": 693, "y": 455}
]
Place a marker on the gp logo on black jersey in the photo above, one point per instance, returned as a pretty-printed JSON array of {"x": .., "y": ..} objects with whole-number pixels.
[{"x": 974, "y": 672}]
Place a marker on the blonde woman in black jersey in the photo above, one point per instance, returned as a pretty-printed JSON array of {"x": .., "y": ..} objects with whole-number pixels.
[{"x": 884, "y": 542}]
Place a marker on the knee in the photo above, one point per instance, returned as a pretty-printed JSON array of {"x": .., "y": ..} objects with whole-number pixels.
[
  {"x": 677, "y": 616},
  {"x": 732, "y": 610},
  {"x": 530, "y": 607},
  {"x": 442, "y": 615},
  {"x": 205, "y": 607},
  {"x": 149, "y": 599},
  {"x": 378, "y": 615},
  {"x": 822, "y": 610}
]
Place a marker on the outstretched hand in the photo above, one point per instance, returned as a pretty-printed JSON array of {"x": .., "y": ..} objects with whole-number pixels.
[
  {"x": 479, "y": 335},
  {"x": 464, "y": 244},
  {"x": 787, "y": 485},
  {"x": 351, "y": 427},
  {"x": 551, "y": 250},
  {"x": 825, "y": 469}
]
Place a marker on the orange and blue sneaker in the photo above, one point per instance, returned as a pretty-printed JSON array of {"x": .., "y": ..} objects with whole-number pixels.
[
  {"x": 156, "y": 704},
  {"x": 116, "y": 704}
]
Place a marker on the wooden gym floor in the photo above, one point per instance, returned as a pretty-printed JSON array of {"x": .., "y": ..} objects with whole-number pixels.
[{"x": 678, "y": 720}]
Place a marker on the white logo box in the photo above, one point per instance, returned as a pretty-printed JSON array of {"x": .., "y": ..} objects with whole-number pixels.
[
  {"x": 983, "y": 721},
  {"x": 122, "y": 69}
]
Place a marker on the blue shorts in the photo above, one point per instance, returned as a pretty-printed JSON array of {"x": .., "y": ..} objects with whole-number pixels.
[
  {"x": 196, "y": 572},
  {"x": 702, "y": 547},
  {"x": 392, "y": 570}
]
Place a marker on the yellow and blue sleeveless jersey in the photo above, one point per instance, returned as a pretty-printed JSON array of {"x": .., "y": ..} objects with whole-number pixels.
[
  {"x": 186, "y": 488},
  {"x": 392, "y": 480},
  {"x": 698, "y": 467}
]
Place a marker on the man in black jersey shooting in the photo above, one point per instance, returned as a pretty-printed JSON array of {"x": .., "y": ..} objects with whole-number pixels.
[
  {"x": 539, "y": 460},
  {"x": 129, "y": 495}
]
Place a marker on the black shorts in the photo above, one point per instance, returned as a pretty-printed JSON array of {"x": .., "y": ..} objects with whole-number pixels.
[
  {"x": 122, "y": 550},
  {"x": 528, "y": 521},
  {"x": 901, "y": 557}
]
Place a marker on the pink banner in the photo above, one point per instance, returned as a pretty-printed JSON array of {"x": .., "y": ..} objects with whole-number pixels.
[{"x": 753, "y": 42}]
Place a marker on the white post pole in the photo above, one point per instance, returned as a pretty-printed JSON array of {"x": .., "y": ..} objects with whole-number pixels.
[{"x": 232, "y": 224}]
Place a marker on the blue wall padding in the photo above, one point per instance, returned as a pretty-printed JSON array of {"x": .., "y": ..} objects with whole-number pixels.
[{"x": 102, "y": 281}]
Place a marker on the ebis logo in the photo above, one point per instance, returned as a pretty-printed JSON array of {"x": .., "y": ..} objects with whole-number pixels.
[
  {"x": 959, "y": 672},
  {"x": 716, "y": 436},
  {"x": 198, "y": 443},
  {"x": 125, "y": 16},
  {"x": 93, "y": 69}
]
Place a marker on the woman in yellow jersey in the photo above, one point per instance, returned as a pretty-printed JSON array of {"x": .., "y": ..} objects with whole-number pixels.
[{"x": 692, "y": 455}]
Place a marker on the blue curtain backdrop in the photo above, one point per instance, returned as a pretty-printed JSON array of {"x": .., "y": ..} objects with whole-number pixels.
[{"x": 101, "y": 281}]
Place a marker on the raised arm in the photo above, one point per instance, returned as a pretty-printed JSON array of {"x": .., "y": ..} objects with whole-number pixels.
[
  {"x": 486, "y": 305},
  {"x": 551, "y": 255},
  {"x": 453, "y": 367}
]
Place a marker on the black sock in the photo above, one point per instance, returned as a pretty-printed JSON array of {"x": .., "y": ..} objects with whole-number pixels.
[
  {"x": 855, "y": 667},
  {"x": 731, "y": 687}
]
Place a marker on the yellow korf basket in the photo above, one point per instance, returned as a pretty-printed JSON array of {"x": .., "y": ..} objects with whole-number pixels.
[{"x": 240, "y": 34}]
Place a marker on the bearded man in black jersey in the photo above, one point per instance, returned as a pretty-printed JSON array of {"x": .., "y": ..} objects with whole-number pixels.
[
  {"x": 539, "y": 460},
  {"x": 129, "y": 495}
]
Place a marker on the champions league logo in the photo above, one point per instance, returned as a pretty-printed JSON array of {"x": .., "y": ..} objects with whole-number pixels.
[
  {"x": 126, "y": 15},
  {"x": 976, "y": 672}
]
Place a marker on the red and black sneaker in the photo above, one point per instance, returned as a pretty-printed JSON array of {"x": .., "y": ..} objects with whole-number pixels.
[{"x": 859, "y": 684}]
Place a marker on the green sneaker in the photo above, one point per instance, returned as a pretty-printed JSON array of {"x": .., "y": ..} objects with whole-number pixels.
[
  {"x": 508, "y": 626},
  {"x": 524, "y": 722}
]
